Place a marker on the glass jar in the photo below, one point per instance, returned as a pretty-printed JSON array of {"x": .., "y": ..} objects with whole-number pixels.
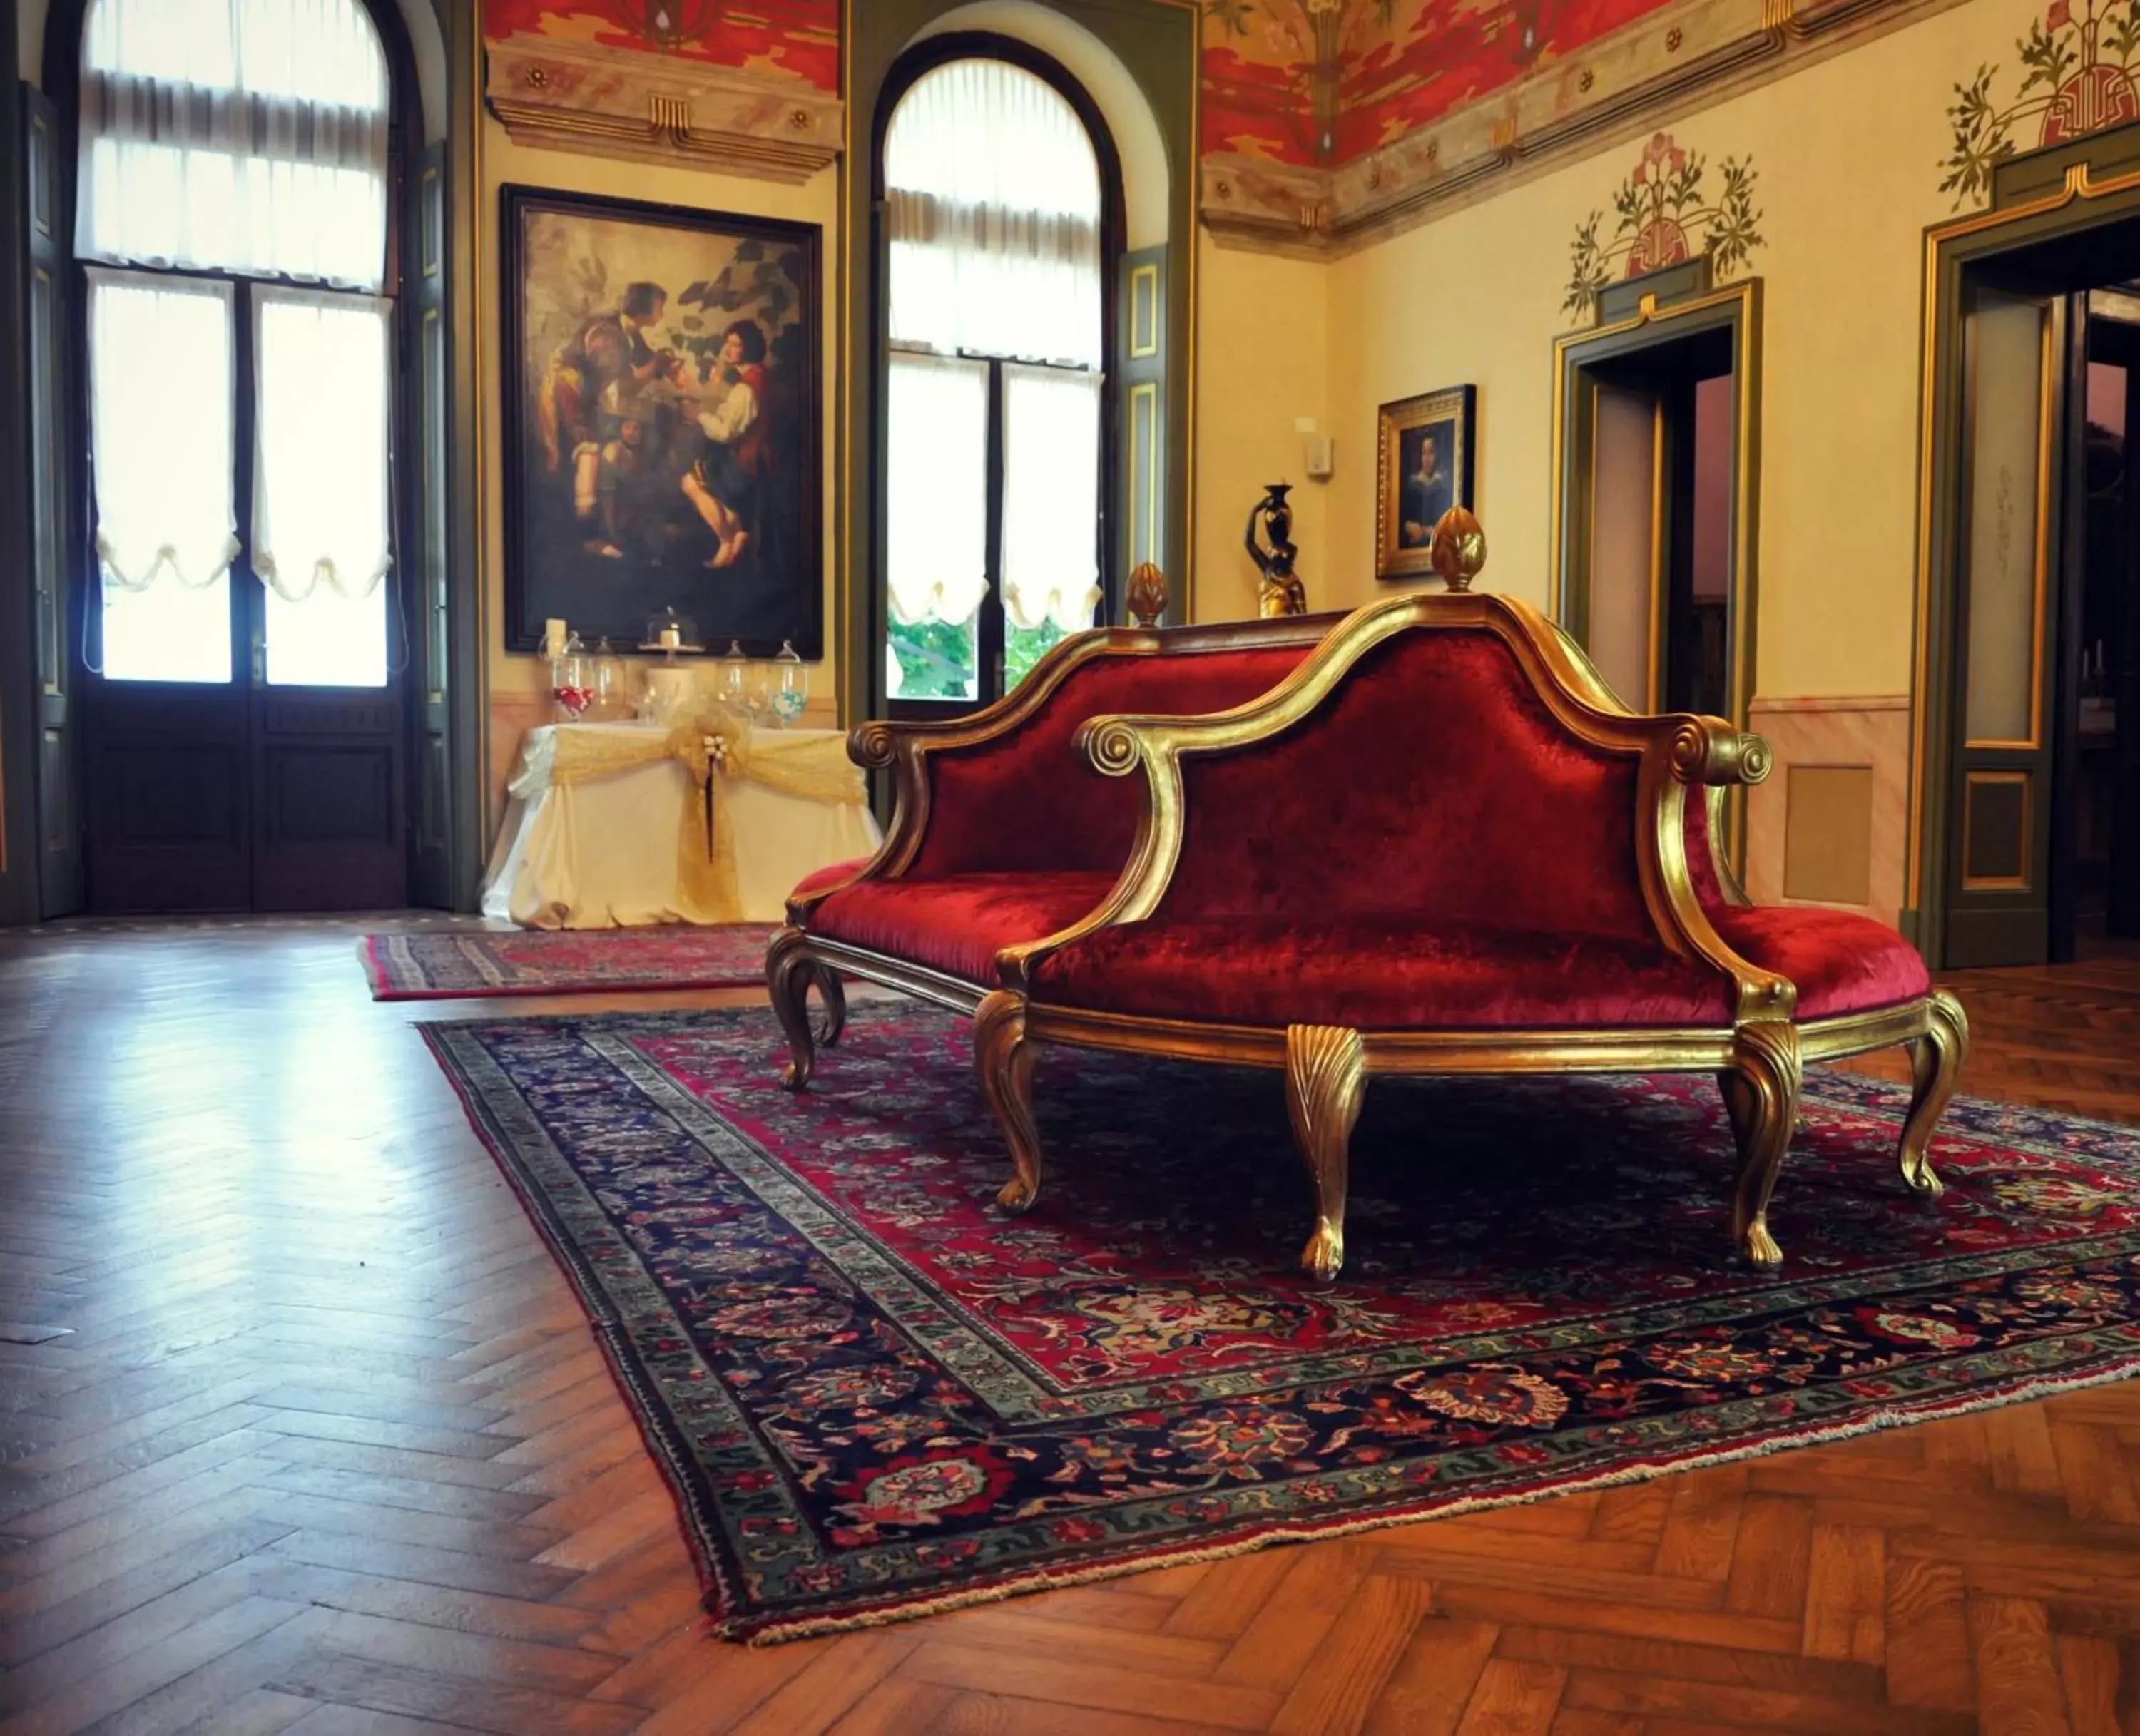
[
  {"x": 612, "y": 685},
  {"x": 735, "y": 677},
  {"x": 571, "y": 682},
  {"x": 790, "y": 691}
]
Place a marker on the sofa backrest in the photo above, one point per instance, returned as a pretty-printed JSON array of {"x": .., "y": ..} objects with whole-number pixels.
[
  {"x": 1432, "y": 780},
  {"x": 1027, "y": 801}
]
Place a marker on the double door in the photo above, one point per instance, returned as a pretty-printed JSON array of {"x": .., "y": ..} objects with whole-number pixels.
[
  {"x": 243, "y": 748},
  {"x": 2044, "y": 803}
]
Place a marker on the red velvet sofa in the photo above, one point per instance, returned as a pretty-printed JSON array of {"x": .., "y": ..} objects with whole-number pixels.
[
  {"x": 1002, "y": 834},
  {"x": 1439, "y": 845}
]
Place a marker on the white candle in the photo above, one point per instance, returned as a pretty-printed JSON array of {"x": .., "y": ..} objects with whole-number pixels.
[{"x": 553, "y": 638}]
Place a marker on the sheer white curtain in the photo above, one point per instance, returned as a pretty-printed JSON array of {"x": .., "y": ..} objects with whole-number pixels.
[
  {"x": 321, "y": 540},
  {"x": 160, "y": 427},
  {"x": 993, "y": 198},
  {"x": 1051, "y": 491},
  {"x": 936, "y": 538},
  {"x": 246, "y": 135}
]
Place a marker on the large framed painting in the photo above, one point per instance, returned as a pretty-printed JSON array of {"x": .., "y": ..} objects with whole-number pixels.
[
  {"x": 1423, "y": 468},
  {"x": 663, "y": 422}
]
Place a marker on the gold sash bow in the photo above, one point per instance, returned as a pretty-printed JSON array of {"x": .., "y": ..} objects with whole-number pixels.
[{"x": 717, "y": 747}]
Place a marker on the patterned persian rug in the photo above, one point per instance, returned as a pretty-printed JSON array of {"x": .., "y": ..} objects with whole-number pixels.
[
  {"x": 443, "y": 966},
  {"x": 876, "y": 1397}
]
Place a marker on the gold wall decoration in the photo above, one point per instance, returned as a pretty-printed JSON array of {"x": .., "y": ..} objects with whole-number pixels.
[
  {"x": 1665, "y": 211},
  {"x": 661, "y": 108},
  {"x": 2077, "y": 78}
]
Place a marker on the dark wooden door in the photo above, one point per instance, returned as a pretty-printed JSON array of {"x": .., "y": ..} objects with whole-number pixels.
[
  {"x": 2015, "y": 363},
  {"x": 431, "y": 810},
  {"x": 61, "y": 884},
  {"x": 248, "y": 787}
]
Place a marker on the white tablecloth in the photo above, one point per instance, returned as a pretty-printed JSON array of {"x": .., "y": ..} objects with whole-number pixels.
[{"x": 602, "y": 853}]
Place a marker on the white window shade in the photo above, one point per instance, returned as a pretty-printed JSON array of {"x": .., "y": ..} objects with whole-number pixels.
[
  {"x": 936, "y": 529},
  {"x": 159, "y": 368},
  {"x": 245, "y": 136},
  {"x": 1051, "y": 497},
  {"x": 319, "y": 493},
  {"x": 993, "y": 194}
]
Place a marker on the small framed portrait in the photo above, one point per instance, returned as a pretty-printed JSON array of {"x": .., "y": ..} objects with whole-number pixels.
[
  {"x": 1423, "y": 468},
  {"x": 662, "y": 446}
]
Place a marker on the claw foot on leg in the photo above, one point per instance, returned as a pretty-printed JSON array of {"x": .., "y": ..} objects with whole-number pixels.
[
  {"x": 1325, "y": 1077},
  {"x": 1765, "y": 1061},
  {"x": 1935, "y": 1060},
  {"x": 1004, "y": 1059},
  {"x": 789, "y": 969}
]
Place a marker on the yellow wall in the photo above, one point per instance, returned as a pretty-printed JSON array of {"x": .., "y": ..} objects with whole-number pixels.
[
  {"x": 1262, "y": 365},
  {"x": 1847, "y": 152},
  {"x": 518, "y": 682}
]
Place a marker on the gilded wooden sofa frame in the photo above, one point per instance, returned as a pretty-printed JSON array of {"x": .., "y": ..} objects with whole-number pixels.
[
  {"x": 798, "y": 962},
  {"x": 1758, "y": 1057}
]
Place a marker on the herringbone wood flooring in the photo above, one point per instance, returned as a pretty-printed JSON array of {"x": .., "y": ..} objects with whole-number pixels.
[{"x": 326, "y": 1447}]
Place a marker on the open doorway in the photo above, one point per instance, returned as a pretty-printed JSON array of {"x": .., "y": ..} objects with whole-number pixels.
[
  {"x": 2043, "y": 792},
  {"x": 2096, "y": 879},
  {"x": 1653, "y": 435}
]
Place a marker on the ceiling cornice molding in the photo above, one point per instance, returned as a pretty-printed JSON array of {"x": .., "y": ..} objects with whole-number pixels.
[
  {"x": 661, "y": 108},
  {"x": 1681, "y": 58}
]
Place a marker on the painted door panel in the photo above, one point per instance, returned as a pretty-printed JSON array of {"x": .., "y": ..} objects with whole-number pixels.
[{"x": 1999, "y": 890}]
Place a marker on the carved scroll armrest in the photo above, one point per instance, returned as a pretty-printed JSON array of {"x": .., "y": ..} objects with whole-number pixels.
[{"x": 1710, "y": 750}]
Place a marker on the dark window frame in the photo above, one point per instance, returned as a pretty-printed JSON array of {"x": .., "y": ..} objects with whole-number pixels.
[
  {"x": 64, "y": 29},
  {"x": 917, "y": 63}
]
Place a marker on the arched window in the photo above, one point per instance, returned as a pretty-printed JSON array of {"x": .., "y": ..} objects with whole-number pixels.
[
  {"x": 996, "y": 191},
  {"x": 231, "y": 215}
]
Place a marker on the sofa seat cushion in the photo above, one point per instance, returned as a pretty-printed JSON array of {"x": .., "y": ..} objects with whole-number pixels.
[
  {"x": 957, "y": 923},
  {"x": 837, "y": 873},
  {"x": 1394, "y": 972},
  {"x": 1842, "y": 963}
]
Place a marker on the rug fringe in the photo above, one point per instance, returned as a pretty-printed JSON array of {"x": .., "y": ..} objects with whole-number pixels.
[{"x": 778, "y": 1632}]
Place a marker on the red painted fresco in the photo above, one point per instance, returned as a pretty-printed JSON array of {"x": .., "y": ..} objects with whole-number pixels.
[
  {"x": 798, "y": 37},
  {"x": 1441, "y": 55},
  {"x": 1254, "y": 108}
]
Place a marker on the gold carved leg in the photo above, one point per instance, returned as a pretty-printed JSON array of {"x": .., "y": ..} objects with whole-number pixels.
[
  {"x": 1936, "y": 1058},
  {"x": 1325, "y": 1077},
  {"x": 1734, "y": 1090},
  {"x": 832, "y": 997},
  {"x": 788, "y": 971},
  {"x": 1004, "y": 1059},
  {"x": 1767, "y": 1070}
]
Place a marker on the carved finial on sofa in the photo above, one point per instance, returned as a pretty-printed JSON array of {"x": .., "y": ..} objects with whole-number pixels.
[
  {"x": 1459, "y": 550},
  {"x": 1146, "y": 597}
]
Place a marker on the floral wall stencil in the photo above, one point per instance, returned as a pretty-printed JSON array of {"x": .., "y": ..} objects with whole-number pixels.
[
  {"x": 2077, "y": 79},
  {"x": 1663, "y": 215}
]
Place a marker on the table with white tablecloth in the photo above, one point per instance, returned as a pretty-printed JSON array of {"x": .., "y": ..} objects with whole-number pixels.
[{"x": 624, "y": 839}]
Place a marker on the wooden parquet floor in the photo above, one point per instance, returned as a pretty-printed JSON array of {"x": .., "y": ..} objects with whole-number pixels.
[{"x": 301, "y": 1430}]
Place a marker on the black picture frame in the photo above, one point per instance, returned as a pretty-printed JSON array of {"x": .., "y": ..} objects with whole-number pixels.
[
  {"x": 576, "y": 373},
  {"x": 1403, "y": 536}
]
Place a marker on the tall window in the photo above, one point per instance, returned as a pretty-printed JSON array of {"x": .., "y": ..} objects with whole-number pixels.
[
  {"x": 993, "y": 525},
  {"x": 233, "y": 213}
]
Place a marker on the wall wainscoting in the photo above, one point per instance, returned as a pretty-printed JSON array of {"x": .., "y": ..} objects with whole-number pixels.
[{"x": 1828, "y": 825}]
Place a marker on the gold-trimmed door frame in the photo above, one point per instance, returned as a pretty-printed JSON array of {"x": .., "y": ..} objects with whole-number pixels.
[
  {"x": 2046, "y": 196},
  {"x": 1736, "y": 308}
]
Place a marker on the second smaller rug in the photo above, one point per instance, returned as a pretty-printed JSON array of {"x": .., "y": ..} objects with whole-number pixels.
[{"x": 449, "y": 965}]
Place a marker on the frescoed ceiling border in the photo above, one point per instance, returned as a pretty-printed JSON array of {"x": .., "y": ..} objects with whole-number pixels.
[
  {"x": 1414, "y": 155},
  {"x": 750, "y": 87},
  {"x": 1326, "y": 125}
]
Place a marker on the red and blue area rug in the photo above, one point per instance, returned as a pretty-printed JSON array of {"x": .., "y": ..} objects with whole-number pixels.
[
  {"x": 449, "y": 964},
  {"x": 876, "y": 1396}
]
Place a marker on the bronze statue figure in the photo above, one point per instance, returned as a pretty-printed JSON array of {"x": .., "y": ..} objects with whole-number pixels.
[{"x": 1281, "y": 592}]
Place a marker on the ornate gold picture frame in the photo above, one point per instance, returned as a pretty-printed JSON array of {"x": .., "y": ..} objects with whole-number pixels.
[{"x": 1423, "y": 466}]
